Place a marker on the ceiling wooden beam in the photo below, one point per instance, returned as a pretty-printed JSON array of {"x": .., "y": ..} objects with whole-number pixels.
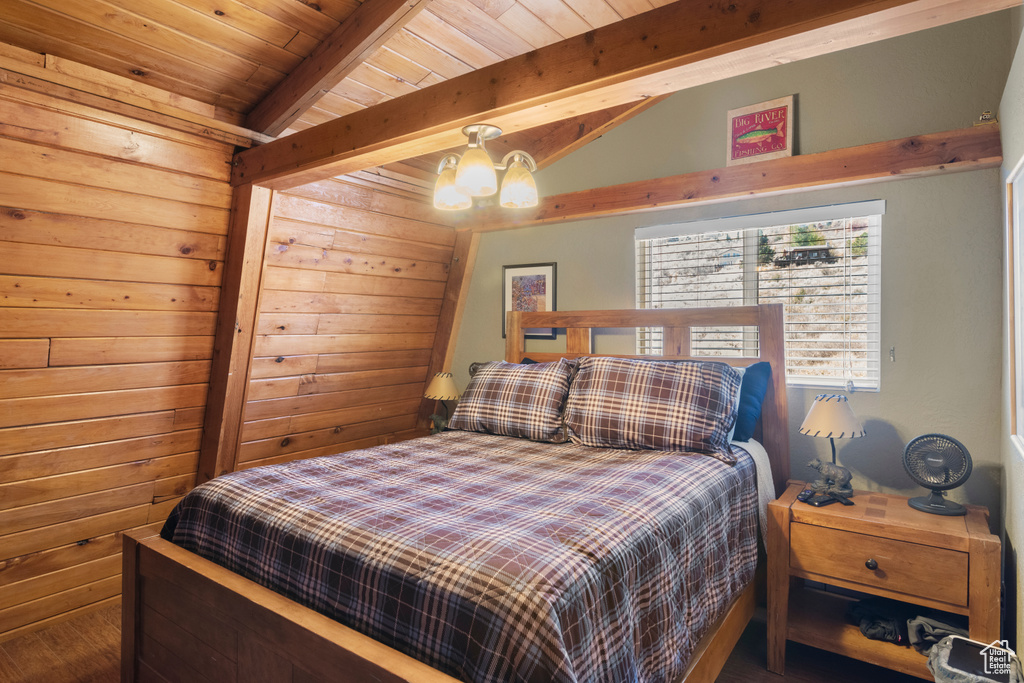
[
  {"x": 967, "y": 149},
  {"x": 365, "y": 30},
  {"x": 676, "y": 46}
]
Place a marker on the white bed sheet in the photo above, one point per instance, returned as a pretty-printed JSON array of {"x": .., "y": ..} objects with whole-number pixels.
[{"x": 765, "y": 482}]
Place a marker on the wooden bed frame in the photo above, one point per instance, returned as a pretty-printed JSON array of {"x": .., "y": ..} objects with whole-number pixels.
[{"x": 188, "y": 620}]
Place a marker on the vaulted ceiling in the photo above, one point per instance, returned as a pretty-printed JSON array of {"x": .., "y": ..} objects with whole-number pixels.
[
  {"x": 284, "y": 66},
  {"x": 246, "y": 57}
]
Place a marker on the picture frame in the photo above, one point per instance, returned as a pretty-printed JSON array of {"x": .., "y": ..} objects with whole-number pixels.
[
  {"x": 529, "y": 287},
  {"x": 761, "y": 131}
]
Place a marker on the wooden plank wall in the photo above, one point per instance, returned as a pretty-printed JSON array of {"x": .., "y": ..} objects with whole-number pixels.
[
  {"x": 352, "y": 291},
  {"x": 112, "y": 235}
]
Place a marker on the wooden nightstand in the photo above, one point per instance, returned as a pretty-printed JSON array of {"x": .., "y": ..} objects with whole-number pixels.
[{"x": 879, "y": 546}]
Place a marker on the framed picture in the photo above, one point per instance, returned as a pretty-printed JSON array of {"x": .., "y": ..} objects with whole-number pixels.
[
  {"x": 528, "y": 287},
  {"x": 761, "y": 131}
]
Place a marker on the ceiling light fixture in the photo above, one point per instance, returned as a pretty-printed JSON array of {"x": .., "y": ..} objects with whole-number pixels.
[{"x": 460, "y": 179}]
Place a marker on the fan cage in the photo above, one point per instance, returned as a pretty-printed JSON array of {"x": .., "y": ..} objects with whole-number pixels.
[{"x": 928, "y": 456}]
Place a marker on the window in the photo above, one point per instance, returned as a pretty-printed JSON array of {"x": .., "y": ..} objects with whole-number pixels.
[
  {"x": 823, "y": 264},
  {"x": 1015, "y": 239}
]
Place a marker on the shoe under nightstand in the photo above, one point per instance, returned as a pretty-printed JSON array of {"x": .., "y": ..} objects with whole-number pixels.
[{"x": 878, "y": 546}]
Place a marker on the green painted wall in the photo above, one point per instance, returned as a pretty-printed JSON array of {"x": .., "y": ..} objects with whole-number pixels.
[
  {"x": 942, "y": 236},
  {"x": 929, "y": 81}
]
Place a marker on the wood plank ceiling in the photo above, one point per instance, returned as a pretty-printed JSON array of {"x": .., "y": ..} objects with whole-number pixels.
[
  {"x": 282, "y": 66},
  {"x": 237, "y": 54}
]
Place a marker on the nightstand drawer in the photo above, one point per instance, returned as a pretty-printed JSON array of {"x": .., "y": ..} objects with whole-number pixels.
[{"x": 901, "y": 567}]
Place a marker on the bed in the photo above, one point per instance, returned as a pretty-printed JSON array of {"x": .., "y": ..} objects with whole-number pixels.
[{"x": 187, "y": 618}]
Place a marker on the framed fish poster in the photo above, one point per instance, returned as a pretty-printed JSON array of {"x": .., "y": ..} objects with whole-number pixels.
[
  {"x": 761, "y": 132},
  {"x": 529, "y": 287}
]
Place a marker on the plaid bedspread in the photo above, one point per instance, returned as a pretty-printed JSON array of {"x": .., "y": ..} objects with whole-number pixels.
[{"x": 493, "y": 558}]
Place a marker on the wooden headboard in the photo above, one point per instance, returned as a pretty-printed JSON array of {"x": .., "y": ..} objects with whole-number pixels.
[{"x": 676, "y": 324}]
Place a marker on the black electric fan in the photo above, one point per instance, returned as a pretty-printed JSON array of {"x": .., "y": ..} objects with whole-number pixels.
[{"x": 939, "y": 463}]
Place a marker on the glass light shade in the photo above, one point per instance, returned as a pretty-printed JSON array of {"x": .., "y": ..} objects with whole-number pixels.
[
  {"x": 448, "y": 197},
  {"x": 518, "y": 189},
  {"x": 475, "y": 175}
]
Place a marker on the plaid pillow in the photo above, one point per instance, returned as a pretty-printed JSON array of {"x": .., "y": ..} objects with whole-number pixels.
[
  {"x": 677, "y": 406},
  {"x": 515, "y": 400}
]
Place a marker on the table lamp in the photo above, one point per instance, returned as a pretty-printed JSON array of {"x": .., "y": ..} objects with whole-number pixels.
[
  {"x": 441, "y": 388},
  {"x": 832, "y": 417}
]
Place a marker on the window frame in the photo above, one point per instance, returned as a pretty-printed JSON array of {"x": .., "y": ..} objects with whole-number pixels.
[
  {"x": 1015, "y": 300},
  {"x": 751, "y": 222}
]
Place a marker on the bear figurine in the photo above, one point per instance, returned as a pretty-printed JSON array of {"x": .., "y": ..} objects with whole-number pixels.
[{"x": 831, "y": 478}]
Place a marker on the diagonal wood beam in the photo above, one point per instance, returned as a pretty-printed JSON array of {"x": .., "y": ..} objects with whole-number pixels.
[
  {"x": 449, "y": 321},
  {"x": 967, "y": 149},
  {"x": 676, "y": 46},
  {"x": 552, "y": 141},
  {"x": 546, "y": 144},
  {"x": 368, "y": 27},
  {"x": 251, "y": 213}
]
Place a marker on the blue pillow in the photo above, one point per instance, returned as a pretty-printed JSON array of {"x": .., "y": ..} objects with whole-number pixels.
[{"x": 752, "y": 391}]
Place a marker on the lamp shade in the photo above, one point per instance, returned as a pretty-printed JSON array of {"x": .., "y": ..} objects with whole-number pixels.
[
  {"x": 446, "y": 195},
  {"x": 442, "y": 388},
  {"x": 831, "y": 416},
  {"x": 461, "y": 180},
  {"x": 476, "y": 175},
  {"x": 518, "y": 189}
]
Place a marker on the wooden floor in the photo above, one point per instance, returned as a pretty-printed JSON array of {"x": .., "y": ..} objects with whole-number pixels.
[{"x": 86, "y": 650}]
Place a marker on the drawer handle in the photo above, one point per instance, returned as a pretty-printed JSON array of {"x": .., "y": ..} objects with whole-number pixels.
[{"x": 871, "y": 564}]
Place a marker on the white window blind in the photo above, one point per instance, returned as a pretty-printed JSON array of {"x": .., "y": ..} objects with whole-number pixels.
[{"x": 823, "y": 264}]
